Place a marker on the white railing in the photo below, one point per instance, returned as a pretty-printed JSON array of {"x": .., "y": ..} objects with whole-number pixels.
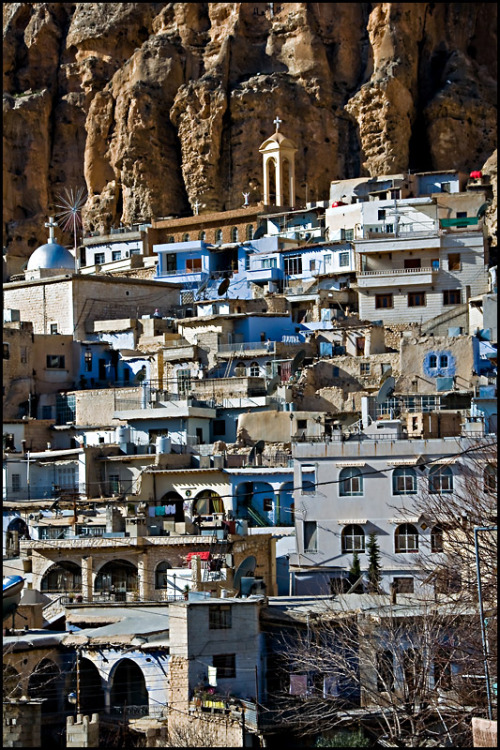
[
  {"x": 396, "y": 271},
  {"x": 244, "y": 346}
]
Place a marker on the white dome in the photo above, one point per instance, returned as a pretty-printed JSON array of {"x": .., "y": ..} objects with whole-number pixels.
[{"x": 51, "y": 255}]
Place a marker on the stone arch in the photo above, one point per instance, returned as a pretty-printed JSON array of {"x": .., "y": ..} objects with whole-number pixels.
[
  {"x": 128, "y": 685},
  {"x": 119, "y": 576},
  {"x": 62, "y": 576},
  {"x": 170, "y": 499},
  {"x": 161, "y": 574},
  {"x": 91, "y": 687}
]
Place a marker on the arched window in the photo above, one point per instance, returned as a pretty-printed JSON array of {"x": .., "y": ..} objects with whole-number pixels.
[
  {"x": 406, "y": 538},
  {"x": 129, "y": 686},
  {"x": 65, "y": 576},
  {"x": 171, "y": 238},
  {"x": 351, "y": 482},
  {"x": 185, "y": 237},
  {"x": 161, "y": 575},
  {"x": 218, "y": 235},
  {"x": 207, "y": 503},
  {"x": 353, "y": 539},
  {"x": 404, "y": 481},
  {"x": 436, "y": 539},
  {"x": 440, "y": 480},
  {"x": 490, "y": 479},
  {"x": 254, "y": 370},
  {"x": 249, "y": 232},
  {"x": 118, "y": 576},
  {"x": 202, "y": 236},
  {"x": 234, "y": 234},
  {"x": 240, "y": 370}
]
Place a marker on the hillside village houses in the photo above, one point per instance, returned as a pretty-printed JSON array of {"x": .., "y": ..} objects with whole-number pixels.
[{"x": 207, "y": 416}]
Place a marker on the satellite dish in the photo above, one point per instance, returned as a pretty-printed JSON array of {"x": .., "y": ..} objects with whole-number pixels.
[
  {"x": 482, "y": 209},
  {"x": 386, "y": 390},
  {"x": 298, "y": 360},
  {"x": 259, "y": 232},
  {"x": 223, "y": 287},
  {"x": 244, "y": 569},
  {"x": 273, "y": 384}
]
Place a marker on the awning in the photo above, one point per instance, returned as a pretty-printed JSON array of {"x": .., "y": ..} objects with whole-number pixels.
[
  {"x": 349, "y": 521},
  {"x": 201, "y": 555},
  {"x": 404, "y": 461},
  {"x": 444, "y": 461},
  {"x": 347, "y": 464},
  {"x": 407, "y": 519}
]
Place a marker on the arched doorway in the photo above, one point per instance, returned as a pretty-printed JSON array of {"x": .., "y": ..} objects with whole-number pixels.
[
  {"x": 173, "y": 507},
  {"x": 256, "y": 502},
  {"x": 117, "y": 577},
  {"x": 61, "y": 577},
  {"x": 16, "y": 530},
  {"x": 91, "y": 690},
  {"x": 129, "y": 686},
  {"x": 271, "y": 176},
  {"x": 285, "y": 514}
]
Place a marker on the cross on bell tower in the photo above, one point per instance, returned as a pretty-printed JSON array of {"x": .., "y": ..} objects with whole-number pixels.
[
  {"x": 51, "y": 224},
  {"x": 277, "y": 122}
]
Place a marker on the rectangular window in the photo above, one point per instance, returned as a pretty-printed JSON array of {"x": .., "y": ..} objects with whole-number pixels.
[
  {"x": 452, "y": 297},
  {"x": 395, "y": 194},
  {"x": 344, "y": 259},
  {"x": 269, "y": 263},
  {"x": 99, "y": 259},
  {"x": 412, "y": 263},
  {"x": 53, "y": 328},
  {"x": 6, "y": 351},
  {"x": 225, "y": 665},
  {"x": 114, "y": 484},
  {"x": 183, "y": 381},
  {"x": 403, "y": 585},
  {"x": 16, "y": 482},
  {"x": 219, "y": 427},
  {"x": 219, "y": 617},
  {"x": 267, "y": 503},
  {"x": 435, "y": 264},
  {"x": 171, "y": 262},
  {"x": 416, "y": 299},
  {"x": 310, "y": 536},
  {"x": 446, "y": 187},
  {"x": 293, "y": 265},
  {"x": 461, "y": 214},
  {"x": 302, "y": 424},
  {"x": 24, "y": 354},
  {"x": 65, "y": 408},
  {"x": 347, "y": 234},
  {"x": 381, "y": 214},
  {"x": 364, "y": 368},
  {"x": 453, "y": 261},
  {"x": 55, "y": 361},
  {"x": 384, "y": 301},
  {"x": 58, "y": 532},
  {"x": 247, "y": 260},
  {"x": 193, "y": 264},
  {"x": 116, "y": 255},
  {"x": 328, "y": 259},
  {"x": 308, "y": 478},
  {"x": 312, "y": 265}
]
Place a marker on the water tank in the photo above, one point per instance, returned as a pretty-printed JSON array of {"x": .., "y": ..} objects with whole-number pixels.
[
  {"x": 122, "y": 434},
  {"x": 163, "y": 444}
]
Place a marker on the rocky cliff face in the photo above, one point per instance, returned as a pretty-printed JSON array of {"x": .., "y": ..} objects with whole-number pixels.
[{"x": 155, "y": 105}]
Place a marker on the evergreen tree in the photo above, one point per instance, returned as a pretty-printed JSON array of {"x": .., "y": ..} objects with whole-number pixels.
[
  {"x": 355, "y": 569},
  {"x": 374, "y": 574}
]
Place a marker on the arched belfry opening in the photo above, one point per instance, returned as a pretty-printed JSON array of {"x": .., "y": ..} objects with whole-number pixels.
[{"x": 278, "y": 155}]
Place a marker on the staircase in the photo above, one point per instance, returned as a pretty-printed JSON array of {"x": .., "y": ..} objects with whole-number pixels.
[{"x": 259, "y": 520}]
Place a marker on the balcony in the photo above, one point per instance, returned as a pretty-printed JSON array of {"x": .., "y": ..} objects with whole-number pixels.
[
  {"x": 396, "y": 277},
  {"x": 264, "y": 274},
  {"x": 246, "y": 348},
  {"x": 430, "y": 240}
]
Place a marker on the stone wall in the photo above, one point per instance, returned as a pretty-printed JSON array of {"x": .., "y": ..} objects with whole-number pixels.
[
  {"x": 83, "y": 732},
  {"x": 22, "y": 723}
]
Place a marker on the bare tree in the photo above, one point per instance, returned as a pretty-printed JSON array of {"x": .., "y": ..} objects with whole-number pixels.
[{"x": 392, "y": 667}]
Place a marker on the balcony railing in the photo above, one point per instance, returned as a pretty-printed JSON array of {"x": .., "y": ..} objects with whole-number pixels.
[
  {"x": 43, "y": 492},
  {"x": 246, "y": 346},
  {"x": 397, "y": 271}
]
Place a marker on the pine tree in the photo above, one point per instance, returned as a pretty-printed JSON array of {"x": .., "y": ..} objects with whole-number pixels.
[
  {"x": 355, "y": 570},
  {"x": 374, "y": 574}
]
